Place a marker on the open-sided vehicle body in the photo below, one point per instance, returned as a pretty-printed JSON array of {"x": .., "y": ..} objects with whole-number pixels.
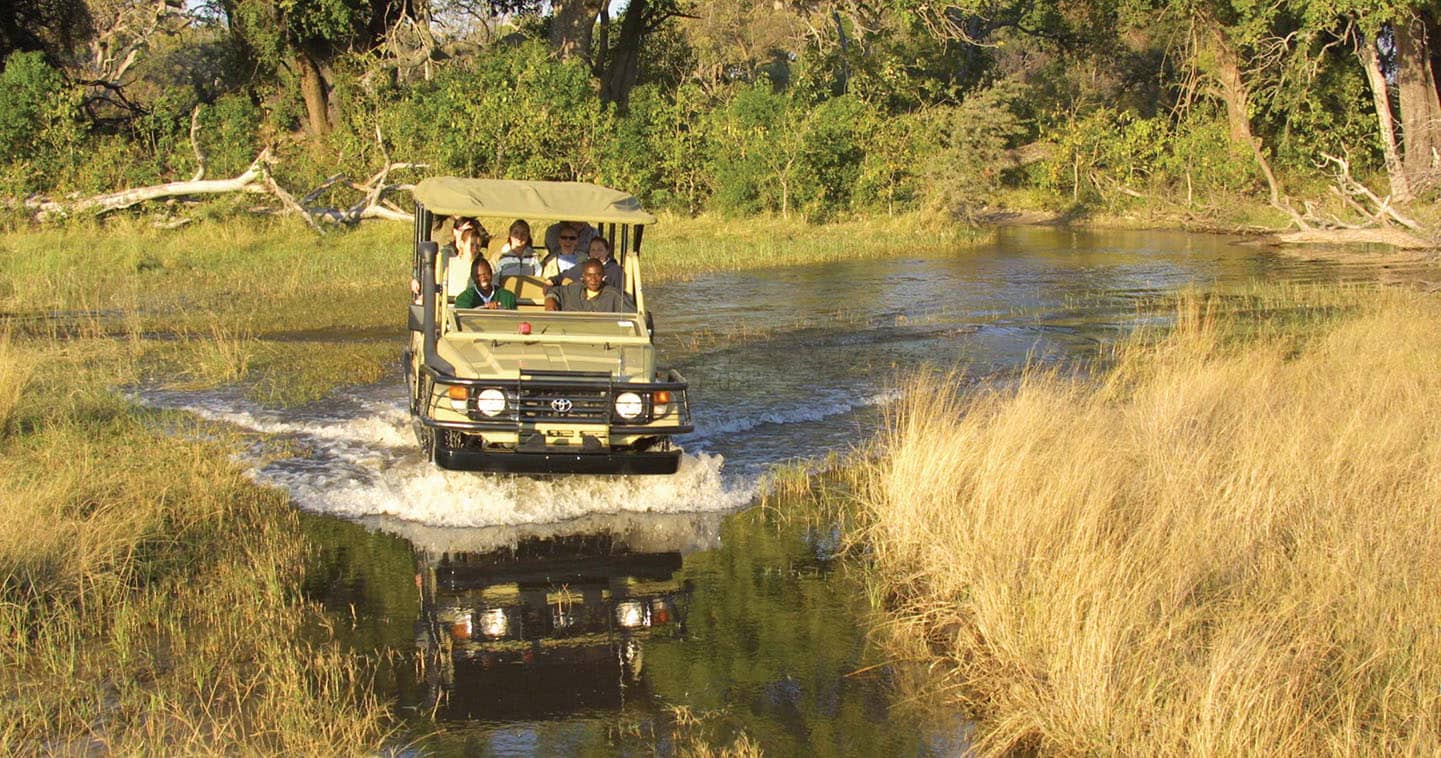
[{"x": 530, "y": 390}]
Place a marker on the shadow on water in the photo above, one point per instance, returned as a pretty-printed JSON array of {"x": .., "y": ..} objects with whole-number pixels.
[{"x": 583, "y": 638}]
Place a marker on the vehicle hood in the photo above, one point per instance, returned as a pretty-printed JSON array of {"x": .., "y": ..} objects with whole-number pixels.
[{"x": 479, "y": 358}]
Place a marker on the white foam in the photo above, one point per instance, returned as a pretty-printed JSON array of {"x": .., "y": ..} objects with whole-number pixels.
[{"x": 357, "y": 458}]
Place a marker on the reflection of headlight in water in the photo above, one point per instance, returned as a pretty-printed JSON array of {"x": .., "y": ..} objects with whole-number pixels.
[
  {"x": 631, "y": 614},
  {"x": 457, "y": 622},
  {"x": 493, "y": 623}
]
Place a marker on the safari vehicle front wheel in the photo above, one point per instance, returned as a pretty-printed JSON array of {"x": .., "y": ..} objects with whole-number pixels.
[{"x": 425, "y": 437}]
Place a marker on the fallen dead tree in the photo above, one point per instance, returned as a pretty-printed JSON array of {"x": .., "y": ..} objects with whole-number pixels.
[
  {"x": 374, "y": 202},
  {"x": 1381, "y": 222}
]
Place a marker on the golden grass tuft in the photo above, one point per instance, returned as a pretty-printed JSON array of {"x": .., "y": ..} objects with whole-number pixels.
[
  {"x": 149, "y": 591},
  {"x": 1224, "y": 546},
  {"x": 16, "y": 367}
]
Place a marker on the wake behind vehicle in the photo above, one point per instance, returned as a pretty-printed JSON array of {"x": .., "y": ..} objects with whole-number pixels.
[{"x": 530, "y": 390}]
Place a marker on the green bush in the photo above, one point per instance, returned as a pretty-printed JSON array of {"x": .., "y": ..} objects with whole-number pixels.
[
  {"x": 40, "y": 128},
  {"x": 519, "y": 113},
  {"x": 972, "y": 140}
]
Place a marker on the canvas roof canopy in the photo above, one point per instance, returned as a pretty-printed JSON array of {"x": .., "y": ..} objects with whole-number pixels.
[{"x": 507, "y": 198}]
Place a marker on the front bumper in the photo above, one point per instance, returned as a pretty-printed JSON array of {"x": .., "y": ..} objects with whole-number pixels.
[{"x": 636, "y": 463}]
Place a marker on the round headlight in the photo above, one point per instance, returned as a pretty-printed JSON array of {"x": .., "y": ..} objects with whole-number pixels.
[
  {"x": 490, "y": 401},
  {"x": 628, "y": 405}
]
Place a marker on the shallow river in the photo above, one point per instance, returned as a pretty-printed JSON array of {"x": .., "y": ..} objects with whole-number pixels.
[{"x": 544, "y": 617}]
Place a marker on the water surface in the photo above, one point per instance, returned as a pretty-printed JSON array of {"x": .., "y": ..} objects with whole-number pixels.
[{"x": 497, "y": 602}]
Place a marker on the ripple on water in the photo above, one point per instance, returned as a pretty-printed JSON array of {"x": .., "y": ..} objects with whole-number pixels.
[{"x": 355, "y": 457}]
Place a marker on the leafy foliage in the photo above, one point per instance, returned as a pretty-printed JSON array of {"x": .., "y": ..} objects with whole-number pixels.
[{"x": 40, "y": 129}]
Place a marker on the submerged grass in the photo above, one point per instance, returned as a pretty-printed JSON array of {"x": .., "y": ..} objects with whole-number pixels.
[{"x": 1228, "y": 544}]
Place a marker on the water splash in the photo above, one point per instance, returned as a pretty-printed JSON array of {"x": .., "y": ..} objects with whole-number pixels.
[{"x": 354, "y": 456}]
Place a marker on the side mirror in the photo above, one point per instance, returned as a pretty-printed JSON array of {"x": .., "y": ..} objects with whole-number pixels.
[{"x": 417, "y": 317}]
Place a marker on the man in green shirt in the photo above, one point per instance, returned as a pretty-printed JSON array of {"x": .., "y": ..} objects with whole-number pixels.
[{"x": 482, "y": 292}]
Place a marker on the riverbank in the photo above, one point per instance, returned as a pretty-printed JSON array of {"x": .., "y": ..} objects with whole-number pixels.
[{"x": 1227, "y": 544}]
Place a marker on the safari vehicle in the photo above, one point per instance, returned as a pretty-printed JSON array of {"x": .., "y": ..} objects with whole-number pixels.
[{"x": 530, "y": 390}]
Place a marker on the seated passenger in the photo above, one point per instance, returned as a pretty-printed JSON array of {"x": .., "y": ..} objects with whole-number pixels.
[
  {"x": 590, "y": 294},
  {"x": 482, "y": 292},
  {"x": 566, "y": 256},
  {"x": 517, "y": 256},
  {"x": 468, "y": 242},
  {"x": 600, "y": 251}
]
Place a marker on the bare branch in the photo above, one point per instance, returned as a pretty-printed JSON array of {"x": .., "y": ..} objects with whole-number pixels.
[
  {"x": 195, "y": 145},
  {"x": 1349, "y": 186}
]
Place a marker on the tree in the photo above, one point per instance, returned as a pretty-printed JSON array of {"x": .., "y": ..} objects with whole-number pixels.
[{"x": 308, "y": 35}]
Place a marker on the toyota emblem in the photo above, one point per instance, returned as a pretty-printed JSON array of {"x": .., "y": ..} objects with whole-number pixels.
[{"x": 561, "y": 405}]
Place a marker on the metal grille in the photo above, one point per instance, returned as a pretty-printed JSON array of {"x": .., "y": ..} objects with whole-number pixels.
[{"x": 550, "y": 404}]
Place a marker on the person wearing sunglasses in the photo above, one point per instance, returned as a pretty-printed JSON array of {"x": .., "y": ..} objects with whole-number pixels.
[{"x": 569, "y": 255}]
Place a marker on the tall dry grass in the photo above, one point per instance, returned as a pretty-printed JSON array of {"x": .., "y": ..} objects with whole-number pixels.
[
  {"x": 149, "y": 600},
  {"x": 1223, "y": 547},
  {"x": 16, "y": 366}
]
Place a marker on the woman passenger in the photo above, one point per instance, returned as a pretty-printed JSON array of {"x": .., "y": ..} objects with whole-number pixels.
[
  {"x": 517, "y": 256},
  {"x": 468, "y": 242},
  {"x": 600, "y": 251}
]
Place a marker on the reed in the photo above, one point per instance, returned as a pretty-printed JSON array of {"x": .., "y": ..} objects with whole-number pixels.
[
  {"x": 1226, "y": 545},
  {"x": 15, "y": 369}
]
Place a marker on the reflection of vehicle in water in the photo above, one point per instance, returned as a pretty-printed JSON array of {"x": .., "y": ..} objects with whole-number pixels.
[{"x": 546, "y": 627}]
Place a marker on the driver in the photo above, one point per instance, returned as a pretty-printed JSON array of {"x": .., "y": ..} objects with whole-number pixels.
[{"x": 590, "y": 294}]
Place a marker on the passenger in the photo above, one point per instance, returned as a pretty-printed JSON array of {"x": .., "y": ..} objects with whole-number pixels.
[
  {"x": 517, "y": 256},
  {"x": 590, "y": 294},
  {"x": 600, "y": 251},
  {"x": 469, "y": 240},
  {"x": 567, "y": 257},
  {"x": 482, "y": 292}
]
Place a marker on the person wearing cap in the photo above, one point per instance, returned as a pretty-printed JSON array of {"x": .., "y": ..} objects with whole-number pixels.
[{"x": 589, "y": 295}]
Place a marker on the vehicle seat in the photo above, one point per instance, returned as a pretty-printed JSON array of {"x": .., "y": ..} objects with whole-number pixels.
[{"x": 528, "y": 289}]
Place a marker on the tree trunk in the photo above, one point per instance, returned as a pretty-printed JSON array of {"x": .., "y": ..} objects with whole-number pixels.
[
  {"x": 1420, "y": 109},
  {"x": 624, "y": 67},
  {"x": 316, "y": 91},
  {"x": 1237, "y": 97},
  {"x": 570, "y": 27},
  {"x": 1381, "y": 97}
]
